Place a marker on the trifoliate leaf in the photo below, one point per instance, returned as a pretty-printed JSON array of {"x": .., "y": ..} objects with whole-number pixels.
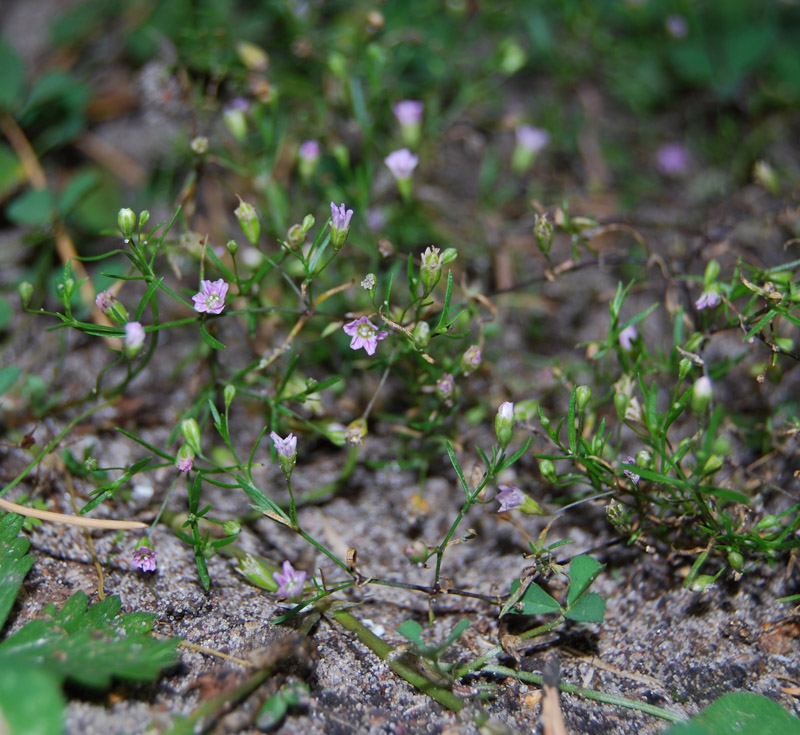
[
  {"x": 583, "y": 570},
  {"x": 589, "y": 608}
]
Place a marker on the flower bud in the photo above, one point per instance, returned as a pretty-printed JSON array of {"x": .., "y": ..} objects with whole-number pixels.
[
  {"x": 25, "y": 290},
  {"x": 232, "y": 528},
  {"x": 767, "y": 522},
  {"x": 471, "y": 360},
  {"x": 417, "y": 552},
  {"x": 702, "y": 582},
  {"x": 248, "y": 221},
  {"x": 236, "y": 122},
  {"x": 445, "y": 388},
  {"x": 430, "y": 270},
  {"x": 543, "y": 232},
  {"x": 258, "y": 571},
  {"x": 126, "y": 221},
  {"x": 232, "y": 247},
  {"x": 583, "y": 394},
  {"x": 525, "y": 410},
  {"x": 229, "y": 393},
  {"x": 504, "y": 423},
  {"x": 185, "y": 459},
  {"x": 644, "y": 458},
  {"x": 134, "y": 338},
  {"x": 90, "y": 464},
  {"x": 684, "y": 366},
  {"x": 621, "y": 401},
  {"x": 355, "y": 432},
  {"x": 199, "y": 145},
  {"x": 712, "y": 271},
  {"x": 449, "y": 255},
  {"x": 701, "y": 395},
  {"x": 548, "y": 470},
  {"x": 191, "y": 434},
  {"x": 422, "y": 335},
  {"x": 736, "y": 560},
  {"x": 713, "y": 464},
  {"x": 144, "y": 218}
]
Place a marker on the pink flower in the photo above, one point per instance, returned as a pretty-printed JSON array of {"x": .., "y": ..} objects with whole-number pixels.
[
  {"x": 510, "y": 497},
  {"x": 287, "y": 447},
  {"x": 309, "y": 150},
  {"x": 672, "y": 159},
  {"x": 708, "y": 299},
  {"x": 134, "y": 336},
  {"x": 185, "y": 464},
  {"x": 626, "y": 337},
  {"x": 408, "y": 112},
  {"x": 532, "y": 139},
  {"x": 144, "y": 558},
  {"x": 211, "y": 298},
  {"x": 104, "y": 301},
  {"x": 290, "y": 583},
  {"x": 630, "y": 474},
  {"x": 445, "y": 387},
  {"x": 365, "y": 334},
  {"x": 340, "y": 217},
  {"x": 401, "y": 163}
]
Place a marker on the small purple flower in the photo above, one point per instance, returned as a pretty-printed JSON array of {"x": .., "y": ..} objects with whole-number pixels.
[
  {"x": 185, "y": 464},
  {"x": 408, "y": 112},
  {"x": 532, "y": 139},
  {"x": 471, "y": 359},
  {"x": 672, "y": 159},
  {"x": 626, "y": 337},
  {"x": 510, "y": 497},
  {"x": 290, "y": 583},
  {"x": 309, "y": 151},
  {"x": 286, "y": 448},
  {"x": 401, "y": 163},
  {"x": 240, "y": 104},
  {"x": 104, "y": 301},
  {"x": 632, "y": 476},
  {"x": 340, "y": 217},
  {"x": 445, "y": 387},
  {"x": 134, "y": 336},
  {"x": 376, "y": 219},
  {"x": 676, "y": 26},
  {"x": 365, "y": 334},
  {"x": 708, "y": 300},
  {"x": 144, "y": 558},
  {"x": 211, "y": 298}
]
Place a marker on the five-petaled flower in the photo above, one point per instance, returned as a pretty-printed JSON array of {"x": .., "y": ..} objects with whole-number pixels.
[
  {"x": 290, "y": 583},
  {"x": 401, "y": 163},
  {"x": 510, "y": 497},
  {"x": 365, "y": 334},
  {"x": 144, "y": 558},
  {"x": 211, "y": 298}
]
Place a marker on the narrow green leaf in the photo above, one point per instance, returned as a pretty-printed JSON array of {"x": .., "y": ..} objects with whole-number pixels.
[
  {"x": 571, "y": 429},
  {"x": 451, "y": 453},
  {"x": 208, "y": 339}
]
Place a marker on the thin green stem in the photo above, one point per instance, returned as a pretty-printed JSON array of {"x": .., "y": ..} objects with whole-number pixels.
[{"x": 614, "y": 699}]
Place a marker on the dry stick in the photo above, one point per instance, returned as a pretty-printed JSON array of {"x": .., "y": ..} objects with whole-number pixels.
[{"x": 46, "y": 515}]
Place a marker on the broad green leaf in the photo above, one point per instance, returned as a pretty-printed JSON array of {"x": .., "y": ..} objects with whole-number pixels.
[
  {"x": 89, "y": 646},
  {"x": 30, "y": 701},
  {"x": 740, "y": 713},
  {"x": 583, "y": 570},
  {"x": 12, "y": 77},
  {"x": 11, "y": 172},
  {"x": 8, "y": 376},
  {"x": 33, "y": 208},
  {"x": 15, "y": 562},
  {"x": 534, "y": 601},
  {"x": 590, "y": 608}
]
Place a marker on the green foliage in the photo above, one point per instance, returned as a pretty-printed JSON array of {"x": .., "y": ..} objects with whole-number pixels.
[
  {"x": 88, "y": 645},
  {"x": 528, "y": 598},
  {"x": 740, "y": 713},
  {"x": 412, "y": 630}
]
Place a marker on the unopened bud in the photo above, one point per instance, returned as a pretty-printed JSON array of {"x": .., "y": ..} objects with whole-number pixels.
[
  {"x": 232, "y": 528},
  {"x": 644, "y": 458},
  {"x": 355, "y": 432},
  {"x": 684, "y": 366},
  {"x": 431, "y": 269},
  {"x": 701, "y": 395},
  {"x": 445, "y": 388},
  {"x": 583, "y": 394},
  {"x": 543, "y": 232},
  {"x": 548, "y": 470},
  {"x": 248, "y": 221},
  {"x": 736, "y": 560},
  {"x": 232, "y": 247},
  {"x": 471, "y": 359},
  {"x": 422, "y": 334},
  {"x": 417, "y": 552},
  {"x": 191, "y": 434},
  {"x": 229, "y": 393},
  {"x": 126, "y": 221},
  {"x": 702, "y": 582},
  {"x": 504, "y": 423},
  {"x": 258, "y": 571},
  {"x": 25, "y": 290}
]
